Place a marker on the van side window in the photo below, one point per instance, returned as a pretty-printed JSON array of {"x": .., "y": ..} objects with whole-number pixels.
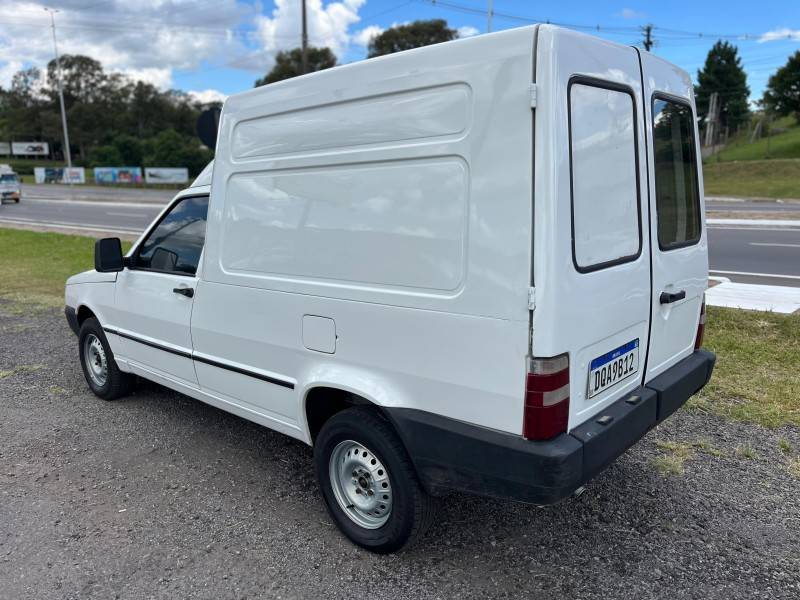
[
  {"x": 606, "y": 217},
  {"x": 174, "y": 246},
  {"x": 677, "y": 190}
]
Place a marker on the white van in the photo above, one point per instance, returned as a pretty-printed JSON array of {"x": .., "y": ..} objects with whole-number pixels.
[
  {"x": 10, "y": 187},
  {"x": 476, "y": 266}
]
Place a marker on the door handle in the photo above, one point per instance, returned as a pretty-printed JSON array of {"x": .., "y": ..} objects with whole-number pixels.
[
  {"x": 669, "y": 298},
  {"x": 185, "y": 291}
]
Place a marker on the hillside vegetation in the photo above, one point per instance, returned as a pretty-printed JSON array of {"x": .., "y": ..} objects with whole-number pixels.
[
  {"x": 753, "y": 178},
  {"x": 765, "y": 168},
  {"x": 782, "y": 145}
]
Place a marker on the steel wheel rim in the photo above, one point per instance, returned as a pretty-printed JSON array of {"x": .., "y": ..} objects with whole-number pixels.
[
  {"x": 94, "y": 357},
  {"x": 360, "y": 484}
]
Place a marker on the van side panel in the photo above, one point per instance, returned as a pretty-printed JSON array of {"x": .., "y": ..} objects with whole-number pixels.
[
  {"x": 393, "y": 197},
  {"x": 359, "y": 122},
  {"x": 383, "y": 231}
]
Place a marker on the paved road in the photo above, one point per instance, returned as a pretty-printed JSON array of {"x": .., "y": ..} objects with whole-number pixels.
[
  {"x": 93, "y": 192},
  {"x": 91, "y": 216},
  {"x": 736, "y": 251},
  {"x": 754, "y": 206}
]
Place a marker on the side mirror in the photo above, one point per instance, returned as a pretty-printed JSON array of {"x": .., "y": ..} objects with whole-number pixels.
[{"x": 108, "y": 255}]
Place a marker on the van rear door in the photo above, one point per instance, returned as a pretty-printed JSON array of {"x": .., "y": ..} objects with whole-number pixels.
[
  {"x": 678, "y": 237},
  {"x": 591, "y": 264}
]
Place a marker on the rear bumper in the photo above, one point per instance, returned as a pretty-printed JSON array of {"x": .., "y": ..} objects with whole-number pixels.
[{"x": 450, "y": 455}]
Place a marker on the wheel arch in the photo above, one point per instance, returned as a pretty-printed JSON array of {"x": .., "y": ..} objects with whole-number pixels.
[
  {"x": 84, "y": 312},
  {"x": 321, "y": 401}
]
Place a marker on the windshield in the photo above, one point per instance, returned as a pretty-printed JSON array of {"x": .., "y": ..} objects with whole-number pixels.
[{"x": 8, "y": 178}]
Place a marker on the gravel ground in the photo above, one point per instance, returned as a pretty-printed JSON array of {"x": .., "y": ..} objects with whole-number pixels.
[{"x": 160, "y": 496}]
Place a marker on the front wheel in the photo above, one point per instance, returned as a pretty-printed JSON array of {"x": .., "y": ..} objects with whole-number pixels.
[
  {"x": 99, "y": 367},
  {"x": 368, "y": 482}
]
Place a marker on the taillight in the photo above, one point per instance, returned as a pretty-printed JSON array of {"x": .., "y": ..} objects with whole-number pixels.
[
  {"x": 701, "y": 326},
  {"x": 546, "y": 398}
]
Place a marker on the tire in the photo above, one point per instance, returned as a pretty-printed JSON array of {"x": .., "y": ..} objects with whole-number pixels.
[
  {"x": 94, "y": 350},
  {"x": 358, "y": 439}
]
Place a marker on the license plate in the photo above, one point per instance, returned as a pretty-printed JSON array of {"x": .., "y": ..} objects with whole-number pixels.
[{"x": 611, "y": 368}]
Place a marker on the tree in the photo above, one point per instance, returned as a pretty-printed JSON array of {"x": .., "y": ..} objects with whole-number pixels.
[
  {"x": 723, "y": 74},
  {"x": 782, "y": 95},
  {"x": 106, "y": 156},
  {"x": 112, "y": 119},
  {"x": 171, "y": 149},
  {"x": 289, "y": 63},
  {"x": 413, "y": 35}
]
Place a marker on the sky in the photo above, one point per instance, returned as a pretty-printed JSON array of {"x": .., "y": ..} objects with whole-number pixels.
[{"x": 214, "y": 48}]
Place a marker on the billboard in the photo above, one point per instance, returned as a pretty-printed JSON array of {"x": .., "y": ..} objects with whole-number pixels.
[
  {"x": 166, "y": 175},
  {"x": 30, "y": 148},
  {"x": 5, "y": 148},
  {"x": 118, "y": 175},
  {"x": 59, "y": 175}
]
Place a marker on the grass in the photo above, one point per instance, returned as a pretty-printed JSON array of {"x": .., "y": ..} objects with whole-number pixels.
[
  {"x": 784, "y": 446},
  {"x": 779, "y": 145},
  {"x": 668, "y": 464},
  {"x": 757, "y": 375},
  {"x": 34, "y": 266},
  {"x": 746, "y": 452},
  {"x": 20, "y": 369},
  {"x": 755, "y": 178},
  {"x": 675, "y": 454}
]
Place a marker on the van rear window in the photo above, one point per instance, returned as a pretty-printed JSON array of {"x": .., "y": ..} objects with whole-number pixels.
[
  {"x": 677, "y": 189},
  {"x": 606, "y": 220}
]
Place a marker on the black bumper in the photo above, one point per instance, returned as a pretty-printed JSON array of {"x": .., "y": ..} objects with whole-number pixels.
[
  {"x": 72, "y": 319},
  {"x": 450, "y": 455}
]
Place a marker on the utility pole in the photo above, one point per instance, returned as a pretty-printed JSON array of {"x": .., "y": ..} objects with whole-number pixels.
[
  {"x": 489, "y": 15},
  {"x": 305, "y": 40},
  {"x": 648, "y": 37},
  {"x": 711, "y": 120},
  {"x": 67, "y": 153}
]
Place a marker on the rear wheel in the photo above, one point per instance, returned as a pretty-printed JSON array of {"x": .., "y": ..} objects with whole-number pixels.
[
  {"x": 368, "y": 482},
  {"x": 99, "y": 367}
]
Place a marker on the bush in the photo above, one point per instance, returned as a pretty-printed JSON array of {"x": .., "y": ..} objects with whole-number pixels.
[{"x": 105, "y": 156}]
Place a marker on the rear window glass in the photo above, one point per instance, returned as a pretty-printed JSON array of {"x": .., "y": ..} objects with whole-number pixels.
[
  {"x": 677, "y": 192},
  {"x": 606, "y": 221}
]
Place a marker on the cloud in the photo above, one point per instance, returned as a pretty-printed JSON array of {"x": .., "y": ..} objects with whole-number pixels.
[
  {"x": 207, "y": 96},
  {"x": 467, "y": 31},
  {"x": 629, "y": 13},
  {"x": 780, "y": 34},
  {"x": 147, "y": 39},
  {"x": 159, "y": 77},
  {"x": 327, "y": 25},
  {"x": 365, "y": 36}
]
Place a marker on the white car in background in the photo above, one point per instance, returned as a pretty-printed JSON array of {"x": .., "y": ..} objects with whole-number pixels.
[{"x": 10, "y": 185}]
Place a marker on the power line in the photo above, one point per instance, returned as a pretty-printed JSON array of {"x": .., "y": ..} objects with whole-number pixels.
[{"x": 664, "y": 32}]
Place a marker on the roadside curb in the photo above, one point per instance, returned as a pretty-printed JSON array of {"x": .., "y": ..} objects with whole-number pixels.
[
  {"x": 753, "y": 199},
  {"x": 750, "y": 296},
  {"x": 772, "y": 223}
]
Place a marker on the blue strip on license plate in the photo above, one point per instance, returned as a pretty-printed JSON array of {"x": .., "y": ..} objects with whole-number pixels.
[{"x": 607, "y": 358}]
